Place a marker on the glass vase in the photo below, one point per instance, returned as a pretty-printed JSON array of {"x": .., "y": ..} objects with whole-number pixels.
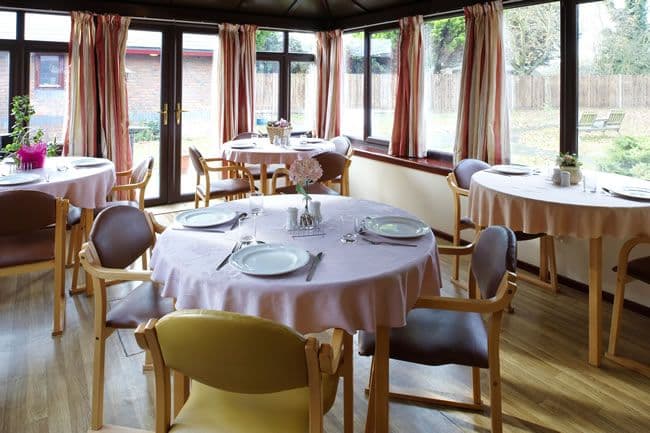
[{"x": 307, "y": 221}]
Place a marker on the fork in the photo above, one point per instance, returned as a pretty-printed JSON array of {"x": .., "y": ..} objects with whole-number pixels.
[{"x": 370, "y": 241}]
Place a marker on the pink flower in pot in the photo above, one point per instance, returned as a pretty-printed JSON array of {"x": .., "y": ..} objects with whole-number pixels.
[{"x": 33, "y": 155}]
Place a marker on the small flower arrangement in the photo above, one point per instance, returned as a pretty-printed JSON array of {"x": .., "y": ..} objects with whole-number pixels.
[
  {"x": 282, "y": 123},
  {"x": 33, "y": 156},
  {"x": 303, "y": 172},
  {"x": 568, "y": 160}
]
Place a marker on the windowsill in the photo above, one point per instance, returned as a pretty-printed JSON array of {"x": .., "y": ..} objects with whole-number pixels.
[{"x": 432, "y": 164}]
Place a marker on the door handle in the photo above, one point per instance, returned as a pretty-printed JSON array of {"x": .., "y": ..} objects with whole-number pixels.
[
  {"x": 165, "y": 114},
  {"x": 179, "y": 112}
]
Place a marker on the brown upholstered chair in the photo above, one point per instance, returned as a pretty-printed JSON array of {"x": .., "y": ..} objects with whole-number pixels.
[
  {"x": 120, "y": 235},
  {"x": 32, "y": 238},
  {"x": 343, "y": 146},
  {"x": 139, "y": 177},
  {"x": 248, "y": 374},
  {"x": 333, "y": 165},
  {"x": 459, "y": 181},
  {"x": 441, "y": 330},
  {"x": 237, "y": 186},
  {"x": 627, "y": 270}
]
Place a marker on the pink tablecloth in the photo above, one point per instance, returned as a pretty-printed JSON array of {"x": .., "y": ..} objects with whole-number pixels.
[
  {"x": 356, "y": 287},
  {"x": 534, "y": 204},
  {"x": 84, "y": 187},
  {"x": 265, "y": 153}
]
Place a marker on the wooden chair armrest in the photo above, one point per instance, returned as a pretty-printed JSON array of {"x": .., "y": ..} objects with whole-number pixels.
[
  {"x": 125, "y": 187},
  {"x": 157, "y": 227},
  {"x": 456, "y": 251},
  {"x": 140, "y": 338},
  {"x": 118, "y": 274},
  {"x": 124, "y": 173},
  {"x": 281, "y": 171},
  {"x": 330, "y": 355},
  {"x": 451, "y": 181},
  {"x": 482, "y": 306},
  {"x": 213, "y": 159}
]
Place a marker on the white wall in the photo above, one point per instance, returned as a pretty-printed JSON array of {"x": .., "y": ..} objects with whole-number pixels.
[{"x": 428, "y": 196}]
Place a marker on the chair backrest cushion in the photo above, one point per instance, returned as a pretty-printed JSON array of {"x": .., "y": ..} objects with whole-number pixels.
[
  {"x": 140, "y": 171},
  {"x": 243, "y": 135},
  {"x": 196, "y": 157},
  {"x": 332, "y": 164},
  {"x": 120, "y": 235},
  {"x": 341, "y": 144},
  {"x": 26, "y": 211},
  {"x": 495, "y": 253},
  {"x": 233, "y": 352},
  {"x": 466, "y": 168}
]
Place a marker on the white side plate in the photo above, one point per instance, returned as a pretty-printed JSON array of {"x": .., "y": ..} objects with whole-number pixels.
[
  {"x": 635, "y": 192},
  {"x": 303, "y": 147},
  {"x": 269, "y": 259},
  {"x": 241, "y": 145},
  {"x": 397, "y": 227},
  {"x": 19, "y": 179},
  {"x": 512, "y": 169},
  {"x": 88, "y": 162},
  {"x": 209, "y": 217}
]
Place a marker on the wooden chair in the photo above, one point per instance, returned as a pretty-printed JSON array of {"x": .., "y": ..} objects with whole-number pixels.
[
  {"x": 237, "y": 186},
  {"x": 442, "y": 330},
  {"x": 120, "y": 235},
  {"x": 343, "y": 146},
  {"x": 627, "y": 270},
  {"x": 459, "y": 182},
  {"x": 32, "y": 238},
  {"x": 333, "y": 164},
  {"x": 248, "y": 374}
]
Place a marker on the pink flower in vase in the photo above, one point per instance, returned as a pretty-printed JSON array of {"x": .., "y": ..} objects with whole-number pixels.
[
  {"x": 304, "y": 172},
  {"x": 33, "y": 155}
]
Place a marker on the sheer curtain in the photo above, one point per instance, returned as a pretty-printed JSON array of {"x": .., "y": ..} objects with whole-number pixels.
[
  {"x": 329, "y": 62},
  {"x": 407, "y": 139},
  {"x": 483, "y": 128}
]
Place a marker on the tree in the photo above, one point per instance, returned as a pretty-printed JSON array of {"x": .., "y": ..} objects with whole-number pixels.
[
  {"x": 629, "y": 156},
  {"x": 533, "y": 36},
  {"x": 625, "y": 48},
  {"x": 446, "y": 41}
]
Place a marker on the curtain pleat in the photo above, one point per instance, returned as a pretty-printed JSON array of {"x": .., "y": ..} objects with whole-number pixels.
[
  {"x": 407, "y": 138},
  {"x": 483, "y": 127},
  {"x": 329, "y": 60}
]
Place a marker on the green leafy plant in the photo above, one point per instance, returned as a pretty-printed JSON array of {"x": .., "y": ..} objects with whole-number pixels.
[
  {"x": 568, "y": 160},
  {"x": 629, "y": 156},
  {"x": 22, "y": 111}
]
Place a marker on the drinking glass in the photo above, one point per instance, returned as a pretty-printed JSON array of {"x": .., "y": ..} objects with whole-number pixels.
[
  {"x": 353, "y": 226},
  {"x": 590, "y": 183},
  {"x": 254, "y": 137},
  {"x": 256, "y": 203},
  {"x": 247, "y": 229}
]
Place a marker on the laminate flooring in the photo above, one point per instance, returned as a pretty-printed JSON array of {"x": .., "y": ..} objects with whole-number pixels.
[{"x": 548, "y": 387}]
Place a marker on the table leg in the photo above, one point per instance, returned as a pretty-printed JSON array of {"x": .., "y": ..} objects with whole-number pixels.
[
  {"x": 348, "y": 384},
  {"x": 263, "y": 179},
  {"x": 87, "y": 217},
  {"x": 381, "y": 379},
  {"x": 595, "y": 300}
]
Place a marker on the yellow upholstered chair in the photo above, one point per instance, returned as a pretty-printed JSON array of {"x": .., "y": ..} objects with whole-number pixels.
[
  {"x": 627, "y": 270},
  {"x": 119, "y": 236},
  {"x": 247, "y": 374}
]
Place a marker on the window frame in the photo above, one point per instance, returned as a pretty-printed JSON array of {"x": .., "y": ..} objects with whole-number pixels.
[{"x": 60, "y": 80}]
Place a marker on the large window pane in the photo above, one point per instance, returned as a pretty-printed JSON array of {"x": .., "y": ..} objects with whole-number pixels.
[
  {"x": 614, "y": 87},
  {"x": 302, "y": 43},
  {"x": 444, "y": 40},
  {"x": 7, "y": 25},
  {"x": 303, "y": 96},
  {"x": 5, "y": 72},
  {"x": 383, "y": 69},
  {"x": 269, "y": 41},
  {"x": 267, "y": 91},
  {"x": 48, "y": 91},
  {"x": 532, "y": 45},
  {"x": 353, "y": 71},
  {"x": 47, "y": 27}
]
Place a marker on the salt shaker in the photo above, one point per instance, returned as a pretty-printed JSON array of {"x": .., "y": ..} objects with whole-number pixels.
[
  {"x": 314, "y": 209},
  {"x": 565, "y": 178},
  {"x": 292, "y": 218}
]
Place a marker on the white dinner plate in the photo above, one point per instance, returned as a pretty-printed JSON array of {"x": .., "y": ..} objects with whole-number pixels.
[
  {"x": 269, "y": 259},
  {"x": 88, "y": 162},
  {"x": 313, "y": 140},
  {"x": 19, "y": 179},
  {"x": 635, "y": 192},
  {"x": 397, "y": 227},
  {"x": 209, "y": 217},
  {"x": 302, "y": 147},
  {"x": 512, "y": 169},
  {"x": 242, "y": 145}
]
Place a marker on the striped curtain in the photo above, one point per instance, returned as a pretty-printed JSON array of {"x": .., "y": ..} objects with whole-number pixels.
[
  {"x": 236, "y": 72},
  {"x": 407, "y": 139},
  {"x": 483, "y": 128},
  {"x": 111, "y": 84},
  {"x": 81, "y": 135},
  {"x": 329, "y": 61}
]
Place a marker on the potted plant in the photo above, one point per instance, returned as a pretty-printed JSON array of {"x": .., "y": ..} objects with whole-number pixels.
[
  {"x": 280, "y": 128},
  {"x": 569, "y": 162},
  {"x": 27, "y": 147}
]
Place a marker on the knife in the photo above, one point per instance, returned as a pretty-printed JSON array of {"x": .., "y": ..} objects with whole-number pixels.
[
  {"x": 224, "y": 261},
  {"x": 314, "y": 265}
]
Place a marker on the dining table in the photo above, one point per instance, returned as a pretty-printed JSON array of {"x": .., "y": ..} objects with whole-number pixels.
[
  {"x": 357, "y": 285},
  {"x": 260, "y": 151},
  {"x": 533, "y": 203}
]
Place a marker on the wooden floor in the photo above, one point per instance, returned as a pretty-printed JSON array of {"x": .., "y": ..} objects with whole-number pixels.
[{"x": 547, "y": 384}]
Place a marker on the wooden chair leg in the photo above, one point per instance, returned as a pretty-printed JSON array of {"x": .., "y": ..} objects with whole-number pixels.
[
  {"x": 145, "y": 264},
  {"x": 617, "y": 311},
  {"x": 552, "y": 263},
  {"x": 71, "y": 243},
  {"x": 97, "y": 416},
  {"x": 196, "y": 201},
  {"x": 543, "y": 259},
  {"x": 148, "y": 362},
  {"x": 348, "y": 384},
  {"x": 75, "y": 265},
  {"x": 476, "y": 385},
  {"x": 58, "y": 306},
  {"x": 456, "y": 265},
  {"x": 370, "y": 416}
]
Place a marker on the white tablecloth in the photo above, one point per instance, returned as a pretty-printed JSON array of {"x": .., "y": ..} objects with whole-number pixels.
[
  {"x": 266, "y": 153},
  {"x": 356, "y": 287},
  {"x": 84, "y": 187},
  {"x": 534, "y": 204}
]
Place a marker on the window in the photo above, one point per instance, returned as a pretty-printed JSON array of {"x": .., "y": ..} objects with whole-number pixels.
[
  {"x": 532, "y": 47},
  {"x": 614, "y": 87},
  {"x": 444, "y": 40},
  {"x": 267, "y": 92},
  {"x": 268, "y": 41},
  {"x": 48, "y": 70},
  {"x": 7, "y": 25},
  {"x": 5, "y": 69},
  {"x": 352, "y": 118},
  {"x": 47, "y": 27},
  {"x": 302, "y": 43},
  {"x": 383, "y": 82},
  {"x": 303, "y": 96}
]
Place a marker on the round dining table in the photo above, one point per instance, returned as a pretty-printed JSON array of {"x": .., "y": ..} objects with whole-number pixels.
[
  {"x": 356, "y": 286},
  {"x": 261, "y": 151},
  {"x": 534, "y": 204}
]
